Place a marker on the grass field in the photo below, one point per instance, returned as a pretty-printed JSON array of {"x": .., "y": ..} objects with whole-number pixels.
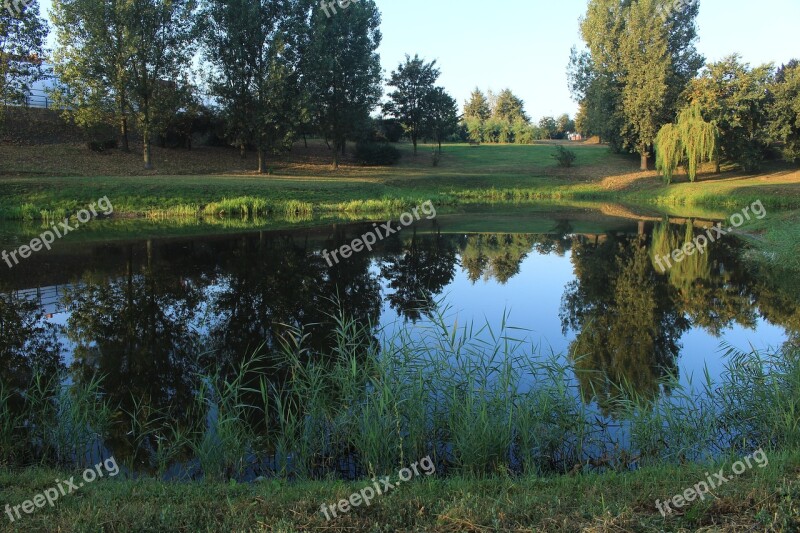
[
  {"x": 65, "y": 178},
  {"x": 758, "y": 500}
]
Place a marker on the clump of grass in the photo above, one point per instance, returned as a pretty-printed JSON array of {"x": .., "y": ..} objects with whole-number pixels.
[
  {"x": 297, "y": 209},
  {"x": 57, "y": 423}
]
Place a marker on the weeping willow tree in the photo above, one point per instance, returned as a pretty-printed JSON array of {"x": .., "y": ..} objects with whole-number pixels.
[{"x": 689, "y": 142}]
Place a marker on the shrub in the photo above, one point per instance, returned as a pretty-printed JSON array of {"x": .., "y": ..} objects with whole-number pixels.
[
  {"x": 101, "y": 146},
  {"x": 564, "y": 157},
  {"x": 376, "y": 154}
]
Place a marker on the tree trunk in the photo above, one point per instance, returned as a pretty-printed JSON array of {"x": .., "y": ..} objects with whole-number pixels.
[
  {"x": 242, "y": 151},
  {"x": 344, "y": 148},
  {"x": 262, "y": 162},
  {"x": 305, "y": 141},
  {"x": 148, "y": 162},
  {"x": 645, "y": 158},
  {"x": 124, "y": 134},
  {"x": 414, "y": 141},
  {"x": 335, "y": 159}
]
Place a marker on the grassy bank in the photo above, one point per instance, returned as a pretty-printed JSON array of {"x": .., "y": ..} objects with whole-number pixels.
[
  {"x": 765, "y": 499},
  {"x": 303, "y": 183},
  {"x": 507, "y": 457}
]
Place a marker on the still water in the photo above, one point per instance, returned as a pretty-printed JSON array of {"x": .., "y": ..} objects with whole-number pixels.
[{"x": 143, "y": 312}]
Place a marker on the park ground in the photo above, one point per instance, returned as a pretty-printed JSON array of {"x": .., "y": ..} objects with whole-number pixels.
[
  {"x": 215, "y": 184},
  {"x": 52, "y": 177},
  {"x": 757, "y": 500}
]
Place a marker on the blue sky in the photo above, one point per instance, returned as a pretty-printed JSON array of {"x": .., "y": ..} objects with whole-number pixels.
[{"x": 524, "y": 44}]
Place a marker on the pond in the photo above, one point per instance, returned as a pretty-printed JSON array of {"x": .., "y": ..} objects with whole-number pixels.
[{"x": 144, "y": 313}]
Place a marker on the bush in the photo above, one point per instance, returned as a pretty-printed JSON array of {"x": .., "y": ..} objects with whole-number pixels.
[
  {"x": 376, "y": 154},
  {"x": 564, "y": 157},
  {"x": 101, "y": 146}
]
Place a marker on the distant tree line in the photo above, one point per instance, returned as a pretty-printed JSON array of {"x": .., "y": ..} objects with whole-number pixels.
[
  {"x": 501, "y": 118},
  {"x": 641, "y": 71}
]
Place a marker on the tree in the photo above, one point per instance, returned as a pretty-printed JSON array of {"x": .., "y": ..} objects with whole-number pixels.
[
  {"x": 477, "y": 106},
  {"x": 692, "y": 140},
  {"x": 564, "y": 125},
  {"x": 413, "y": 82},
  {"x": 548, "y": 126},
  {"x": 253, "y": 48},
  {"x": 440, "y": 117},
  {"x": 342, "y": 70},
  {"x": 638, "y": 65},
  {"x": 95, "y": 47},
  {"x": 119, "y": 58},
  {"x": 475, "y": 128},
  {"x": 735, "y": 98},
  {"x": 646, "y": 64},
  {"x": 784, "y": 112},
  {"x": 162, "y": 33},
  {"x": 22, "y": 40},
  {"x": 508, "y": 107}
]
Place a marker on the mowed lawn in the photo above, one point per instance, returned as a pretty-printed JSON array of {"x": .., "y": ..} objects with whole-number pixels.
[{"x": 69, "y": 177}]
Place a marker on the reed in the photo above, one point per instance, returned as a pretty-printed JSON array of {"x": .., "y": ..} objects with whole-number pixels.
[{"x": 479, "y": 400}]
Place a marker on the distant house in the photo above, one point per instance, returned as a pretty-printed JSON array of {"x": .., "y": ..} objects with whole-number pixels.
[{"x": 575, "y": 137}]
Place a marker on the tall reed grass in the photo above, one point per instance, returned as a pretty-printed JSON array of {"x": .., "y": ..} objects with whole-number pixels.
[{"x": 479, "y": 400}]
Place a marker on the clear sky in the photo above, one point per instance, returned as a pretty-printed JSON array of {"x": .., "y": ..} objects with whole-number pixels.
[{"x": 524, "y": 44}]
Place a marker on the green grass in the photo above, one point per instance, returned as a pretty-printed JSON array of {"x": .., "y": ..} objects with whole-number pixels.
[
  {"x": 759, "y": 500},
  {"x": 493, "y": 173}
]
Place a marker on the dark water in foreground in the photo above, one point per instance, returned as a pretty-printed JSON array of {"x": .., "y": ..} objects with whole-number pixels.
[{"x": 141, "y": 311}]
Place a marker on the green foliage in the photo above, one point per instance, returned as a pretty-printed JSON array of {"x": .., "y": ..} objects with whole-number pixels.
[
  {"x": 785, "y": 110},
  {"x": 255, "y": 72},
  {"x": 691, "y": 141},
  {"x": 123, "y": 59},
  {"x": 508, "y": 107},
  {"x": 440, "y": 117},
  {"x": 636, "y": 69},
  {"x": 477, "y": 107},
  {"x": 343, "y": 82},
  {"x": 499, "y": 118},
  {"x": 735, "y": 98},
  {"x": 413, "y": 83},
  {"x": 564, "y": 157},
  {"x": 22, "y": 50},
  {"x": 548, "y": 127}
]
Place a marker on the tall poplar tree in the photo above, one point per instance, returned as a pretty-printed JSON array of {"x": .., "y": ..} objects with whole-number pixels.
[
  {"x": 639, "y": 63},
  {"x": 341, "y": 70},
  {"x": 254, "y": 48}
]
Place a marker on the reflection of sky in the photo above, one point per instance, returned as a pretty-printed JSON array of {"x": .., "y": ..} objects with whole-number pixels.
[{"x": 533, "y": 298}]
